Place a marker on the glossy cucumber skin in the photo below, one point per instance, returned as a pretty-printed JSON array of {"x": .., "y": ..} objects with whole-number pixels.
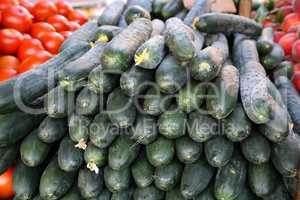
[
  {"x": 107, "y": 32},
  {"x": 158, "y": 27},
  {"x": 142, "y": 171},
  {"x": 280, "y": 193},
  {"x": 171, "y": 8},
  {"x": 73, "y": 194},
  {"x": 95, "y": 156},
  {"x": 134, "y": 12},
  {"x": 265, "y": 42},
  {"x": 148, "y": 193},
  {"x": 88, "y": 102},
  {"x": 187, "y": 150},
  {"x": 112, "y": 13},
  {"x": 274, "y": 58},
  {"x": 79, "y": 128},
  {"x": 200, "y": 7},
  {"x": 7, "y": 156},
  {"x": 117, "y": 181},
  {"x": 52, "y": 130},
  {"x": 174, "y": 194}
]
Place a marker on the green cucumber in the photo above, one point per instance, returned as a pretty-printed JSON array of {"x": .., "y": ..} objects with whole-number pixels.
[
  {"x": 171, "y": 8},
  {"x": 117, "y": 180},
  {"x": 37, "y": 197},
  {"x": 52, "y": 130},
  {"x": 199, "y": 7},
  {"x": 148, "y": 193},
  {"x": 158, "y": 27},
  {"x": 167, "y": 177},
  {"x": 112, "y": 13},
  {"x": 244, "y": 51},
  {"x": 157, "y": 7},
  {"x": 265, "y": 42},
  {"x": 174, "y": 194},
  {"x": 247, "y": 194},
  {"x": 117, "y": 55},
  {"x": 218, "y": 151},
  {"x": 280, "y": 193},
  {"x": 90, "y": 184},
  {"x": 134, "y": 12},
  {"x": 105, "y": 195},
  {"x": 87, "y": 102},
  {"x": 79, "y": 130},
  {"x": 8, "y": 155},
  {"x": 123, "y": 195},
  {"x": 181, "y": 15},
  {"x": 73, "y": 194},
  {"x": 187, "y": 150},
  {"x": 122, "y": 153},
  {"x": 69, "y": 157},
  {"x": 291, "y": 185},
  {"x": 95, "y": 157},
  {"x": 207, "y": 194},
  {"x": 274, "y": 58},
  {"x": 33, "y": 151},
  {"x": 285, "y": 68},
  {"x": 106, "y": 33},
  {"x": 195, "y": 178},
  {"x": 170, "y": 75}
]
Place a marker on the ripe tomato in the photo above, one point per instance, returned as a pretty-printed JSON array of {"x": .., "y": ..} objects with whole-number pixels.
[
  {"x": 290, "y": 20},
  {"x": 29, "y": 48},
  {"x": 7, "y": 3},
  {"x": 43, "y": 9},
  {"x": 59, "y": 22},
  {"x": 9, "y": 62},
  {"x": 27, "y": 4},
  {"x": 63, "y": 7},
  {"x": 39, "y": 28},
  {"x": 17, "y": 17},
  {"x": 287, "y": 42},
  {"x": 278, "y": 35},
  {"x": 52, "y": 41},
  {"x": 6, "y": 183},
  {"x": 66, "y": 34},
  {"x": 296, "y": 5},
  {"x": 6, "y": 74},
  {"x": 74, "y": 26},
  {"x": 77, "y": 16},
  {"x": 26, "y": 36},
  {"x": 10, "y": 41},
  {"x": 296, "y": 51},
  {"x": 34, "y": 60}
]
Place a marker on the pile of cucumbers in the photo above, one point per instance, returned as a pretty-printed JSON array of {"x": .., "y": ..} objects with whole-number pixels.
[{"x": 155, "y": 102}]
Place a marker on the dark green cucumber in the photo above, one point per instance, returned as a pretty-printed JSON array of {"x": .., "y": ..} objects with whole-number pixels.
[
  {"x": 143, "y": 3},
  {"x": 157, "y": 7},
  {"x": 200, "y": 7},
  {"x": 285, "y": 68},
  {"x": 101, "y": 81},
  {"x": 291, "y": 185},
  {"x": 170, "y": 75},
  {"x": 122, "y": 153},
  {"x": 117, "y": 55},
  {"x": 222, "y": 96},
  {"x": 156, "y": 102},
  {"x": 106, "y": 33},
  {"x": 256, "y": 149},
  {"x": 8, "y": 156},
  {"x": 158, "y": 27},
  {"x": 117, "y": 180},
  {"x": 265, "y": 42},
  {"x": 167, "y": 177},
  {"x": 195, "y": 178},
  {"x": 87, "y": 102},
  {"x": 231, "y": 178},
  {"x": 59, "y": 103},
  {"x": 197, "y": 127},
  {"x": 207, "y": 194},
  {"x": 33, "y": 151},
  {"x": 142, "y": 171},
  {"x": 174, "y": 194},
  {"x": 105, "y": 195},
  {"x": 150, "y": 54},
  {"x": 26, "y": 181},
  {"x": 52, "y": 130},
  {"x": 112, "y": 13},
  {"x": 172, "y": 123},
  {"x": 79, "y": 130},
  {"x": 101, "y": 131},
  {"x": 37, "y": 197},
  {"x": 262, "y": 179},
  {"x": 187, "y": 150},
  {"x": 15, "y": 126},
  {"x": 280, "y": 193},
  {"x": 134, "y": 12},
  {"x": 218, "y": 151},
  {"x": 95, "y": 157},
  {"x": 247, "y": 194},
  {"x": 55, "y": 182},
  {"x": 145, "y": 129},
  {"x": 123, "y": 195},
  {"x": 73, "y": 194},
  {"x": 69, "y": 157},
  {"x": 90, "y": 184},
  {"x": 121, "y": 109},
  {"x": 227, "y": 23},
  {"x": 148, "y": 193},
  {"x": 274, "y": 58},
  {"x": 136, "y": 80},
  {"x": 171, "y": 8}
]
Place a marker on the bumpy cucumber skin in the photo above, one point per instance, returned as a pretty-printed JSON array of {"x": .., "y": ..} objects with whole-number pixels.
[
  {"x": 78, "y": 128},
  {"x": 187, "y": 150},
  {"x": 105, "y": 195},
  {"x": 123, "y": 195},
  {"x": 95, "y": 155},
  {"x": 174, "y": 194},
  {"x": 87, "y": 102},
  {"x": 73, "y": 194},
  {"x": 7, "y": 156},
  {"x": 142, "y": 171},
  {"x": 52, "y": 130},
  {"x": 134, "y": 12},
  {"x": 117, "y": 181},
  {"x": 158, "y": 27},
  {"x": 112, "y": 13}
]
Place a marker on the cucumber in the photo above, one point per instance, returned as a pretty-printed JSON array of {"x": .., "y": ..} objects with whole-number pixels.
[
  {"x": 285, "y": 68},
  {"x": 262, "y": 179},
  {"x": 280, "y": 193},
  {"x": 73, "y": 194},
  {"x": 105, "y": 195},
  {"x": 52, "y": 130},
  {"x": 33, "y": 151},
  {"x": 106, "y": 33},
  {"x": 207, "y": 194},
  {"x": 87, "y": 102},
  {"x": 123, "y": 195},
  {"x": 199, "y": 7},
  {"x": 148, "y": 193},
  {"x": 112, "y": 13},
  {"x": 218, "y": 151},
  {"x": 174, "y": 194},
  {"x": 150, "y": 54},
  {"x": 157, "y": 7},
  {"x": 291, "y": 185},
  {"x": 55, "y": 182},
  {"x": 227, "y": 23},
  {"x": 134, "y": 12},
  {"x": 117, "y": 55},
  {"x": 172, "y": 123},
  {"x": 158, "y": 27},
  {"x": 244, "y": 51},
  {"x": 230, "y": 178},
  {"x": 101, "y": 131},
  {"x": 170, "y": 75},
  {"x": 117, "y": 180},
  {"x": 167, "y": 177},
  {"x": 247, "y": 194},
  {"x": 274, "y": 58},
  {"x": 120, "y": 108},
  {"x": 145, "y": 129},
  {"x": 136, "y": 80},
  {"x": 142, "y": 171},
  {"x": 171, "y": 8},
  {"x": 197, "y": 127},
  {"x": 187, "y": 150},
  {"x": 95, "y": 157},
  {"x": 181, "y": 15},
  {"x": 8, "y": 155},
  {"x": 79, "y": 130},
  {"x": 195, "y": 178},
  {"x": 69, "y": 157},
  {"x": 265, "y": 42},
  {"x": 256, "y": 149},
  {"x": 59, "y": 103},
  {"x": 122, "y": 153},
  {"x": 26, "y": 181},
  {"x": 222, "y": 97},
  {"x": 89, "y": 184},
  {"x": 101, "y": 81}
]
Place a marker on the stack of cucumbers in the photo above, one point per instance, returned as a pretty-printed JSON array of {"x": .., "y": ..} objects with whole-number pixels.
[{"x": 155, "y": 102}]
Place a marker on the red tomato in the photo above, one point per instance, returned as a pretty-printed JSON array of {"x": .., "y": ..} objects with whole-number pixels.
[
  {"x": 27, "y": 4},
  {"x": 296, "y": 5},
  {"x": 59, "y": 22},
  {"x": 74, "y": 26},
  {"x": 9, "y": 62},
  {"x": 26, "y": 36},
  {"x": 29, "y": 48},
  {"x": 38, "y": 29},
  {"x": 7, "y": 3},
  {"x": 52, "y": 41},
  {"x": 290, "y": 20},
  {"x": 267, "y": 22},
  {"x": 34, "y": 60},
  {"x": 296, "y": 51},
  {"x": 6, "y": 74},
  {"x": 278, "y": 35},
  {"x": 66, "y": 34},
  {"x": 280, "y": 3},
  {"x": 17, "y": 17},
  {"x": 77, "y": 16},
  {"x": 43, "y": 9},
  {"x": 287, "y": 42},
  {"x": 287, "y": 10},
  {"x": 6, "y": 182},
  {"x": 63, "y": 7},
  {"x": 10, "y": 41}
]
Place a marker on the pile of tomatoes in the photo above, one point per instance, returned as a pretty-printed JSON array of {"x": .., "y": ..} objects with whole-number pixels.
[{"x": 30, "y": 34}]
